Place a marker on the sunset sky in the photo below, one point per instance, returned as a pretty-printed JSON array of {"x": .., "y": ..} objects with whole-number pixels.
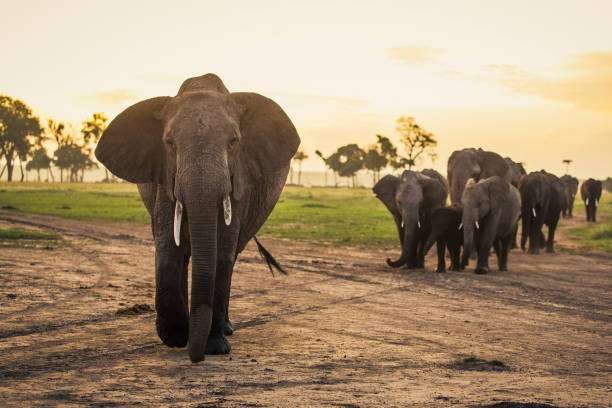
[{"x": 528, "y": 79}]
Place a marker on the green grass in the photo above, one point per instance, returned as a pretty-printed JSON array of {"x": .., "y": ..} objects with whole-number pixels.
[
  {"x": 594, "y": 236},
  {"x": 338, "y": 215},
  {"x": 83, "y": 201},
  {"x": 13, "y": 234}
]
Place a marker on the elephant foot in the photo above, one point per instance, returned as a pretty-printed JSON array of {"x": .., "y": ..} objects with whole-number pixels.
[
  {"x": 481, "y": 270},
  {"x": 440, "y": 270},
  {"x": 175, "y": 334},
  {"x": 550, "y": 250},
  {"x": 503, "y": 268},
  {"x": 229, "y": 329},
  {"x": 217, "y": 344}
]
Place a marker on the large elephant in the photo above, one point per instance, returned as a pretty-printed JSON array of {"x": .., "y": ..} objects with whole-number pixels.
[
  {"x": 543, "y": 199},
  {"x": 492, "y": 206},
  {"x": 570, "y": 186},
  {"x": 474, "y": 164},
  {"x": 517, "y": 171},
  {"x": 411, "y": 199},
  {"x": 590, "y": 191},
  {"x": 210, "y": 165}
]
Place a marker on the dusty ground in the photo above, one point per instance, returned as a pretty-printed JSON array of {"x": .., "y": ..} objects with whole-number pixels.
[{"x": 342, "y": 329}]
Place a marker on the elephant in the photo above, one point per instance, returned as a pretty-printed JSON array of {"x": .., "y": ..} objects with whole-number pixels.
[
  {"x": 570, "y": 185},
  {"x": 517, "y": 171},
  {"x": 492, "y": 206},
  {"x": 411, "y": 199},
  {"x": 543, "y": 199},
  {"x": 210, "y": 166},
  {"x": 446, "y": 232},
  {"x": 590, "y": 191},
  {"x": 474, "y": 164}
]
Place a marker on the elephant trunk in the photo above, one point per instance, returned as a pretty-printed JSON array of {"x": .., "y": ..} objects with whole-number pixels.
[
  {"x": 457, "y": 184},
  {"x": 470, "y": 222},
  {"x": 203, "y": 198},
  {"x": 433, "y": 237},
  {"x": 410, "y": 225}
]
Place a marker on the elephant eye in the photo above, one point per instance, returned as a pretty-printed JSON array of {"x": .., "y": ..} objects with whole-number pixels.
[{"x": 233, "y": 142}]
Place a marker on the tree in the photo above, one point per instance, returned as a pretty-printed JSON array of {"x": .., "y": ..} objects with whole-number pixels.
[
  {"x": 416, "y": 141},
  {"x": 332, "y": 162},
  {"x": 350, "y": 157},
  {"x": 40, "y": 160},
  {"x": 72, "y": 155},
  {"x": 374, "y": 161},
  {"x": 299, "y": 157},
  {"x": 19, "y": 130},
  {"x": 567, "y": 163},
  {"x": 92, "y": 130}
]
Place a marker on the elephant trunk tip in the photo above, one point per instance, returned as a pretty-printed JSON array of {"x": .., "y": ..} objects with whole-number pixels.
[{"x": 395, "y": 264}]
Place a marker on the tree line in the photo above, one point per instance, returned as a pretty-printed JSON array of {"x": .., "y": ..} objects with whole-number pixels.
[
  {"x": 24, "y": 140},
  {"x": 349, "y": 159}
]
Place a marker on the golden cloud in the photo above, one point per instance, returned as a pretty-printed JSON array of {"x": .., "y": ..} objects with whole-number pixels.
[
  {"x": 413, "y": 55},
  {"x": 586, "y": 81},
  {"x": 111, "y": 97}
]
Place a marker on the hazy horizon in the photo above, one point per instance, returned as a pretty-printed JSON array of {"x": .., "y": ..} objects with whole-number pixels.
[{"x": 532, "y": 81}]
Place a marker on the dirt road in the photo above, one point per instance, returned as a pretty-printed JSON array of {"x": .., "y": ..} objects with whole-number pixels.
[{"x": 342, "y": 329}]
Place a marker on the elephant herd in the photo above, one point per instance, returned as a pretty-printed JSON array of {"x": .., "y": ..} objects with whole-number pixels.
[
  {"x": 489, "y": 194},
  {"x": 210, "y": 165}
]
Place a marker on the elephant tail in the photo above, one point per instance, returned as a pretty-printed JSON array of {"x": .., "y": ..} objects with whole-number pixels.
[{"x": 270, "y": 260}]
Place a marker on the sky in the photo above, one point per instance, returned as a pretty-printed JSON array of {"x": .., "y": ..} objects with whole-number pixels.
[{"x": 528, "y": 79}]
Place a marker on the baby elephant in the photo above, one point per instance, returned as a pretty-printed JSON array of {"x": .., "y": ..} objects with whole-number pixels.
[{"x": 446, "y": 232}]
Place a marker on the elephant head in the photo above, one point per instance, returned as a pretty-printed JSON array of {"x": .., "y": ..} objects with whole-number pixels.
[
  {"x": 474, "y": 164},
  {"x": 407, "y": 198},
  {"x": 206, "y": 147},
  {"x": 482, "y": 202}
]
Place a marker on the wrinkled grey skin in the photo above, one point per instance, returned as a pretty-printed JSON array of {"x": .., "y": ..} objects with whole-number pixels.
[
  {"x": 201, "y": 148},
  {"x": 517, "y": 171},
  {"x": 474, "y": 164},
  {"x": 590, "y": 191},
  {"x": 542, "y": 199},
  {"x": 495, "y": 204},
  {"x": 411, "y": 199}
]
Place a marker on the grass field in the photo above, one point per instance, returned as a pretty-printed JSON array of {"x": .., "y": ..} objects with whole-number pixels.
[
  {"x": 594, "y": 236},
  {"x": 338, "y": 215}
]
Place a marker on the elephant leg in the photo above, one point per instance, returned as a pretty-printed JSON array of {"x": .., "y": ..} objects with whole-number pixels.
[
  {"x": 171, "y": 302},
  {"x": 217, "y": 343},
  {"x": 421, "y": 254},
  {"x": 226, "y": 257},
  {"x": 229, "y": 328},
  {"x": 455, "y": 253},
  {"x": 502, "y": 257},
  {"x": 535, "y": 239},
  {"x": 550, "y": 243},
  {"x": 484, "y": 248},
  {"x": 497, "y": 248},
  {"x": 440, "y": 246}
]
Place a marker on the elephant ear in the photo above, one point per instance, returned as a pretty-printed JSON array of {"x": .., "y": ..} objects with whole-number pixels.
[
  {"x": 131, "y": 147},
  {"x": 434, "y": 191},
  {"x": 498, "y": 191},
  {"x": 269, "y": 139},
  {"x": 385, "y": 190}
]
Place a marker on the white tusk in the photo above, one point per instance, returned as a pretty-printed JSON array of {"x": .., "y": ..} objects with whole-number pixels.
[
  {"x": 402, "y": 224},
  {"x": 460, "y": 226},
  {"x": 227, "y": 210},
  {"x": 419, "y": 223},
  {"x": 587, "y": 201},
  {"x": 533, "y": 211},
  {"x": 477, "y": 225},
  {"x": 178, "y": 218}
]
